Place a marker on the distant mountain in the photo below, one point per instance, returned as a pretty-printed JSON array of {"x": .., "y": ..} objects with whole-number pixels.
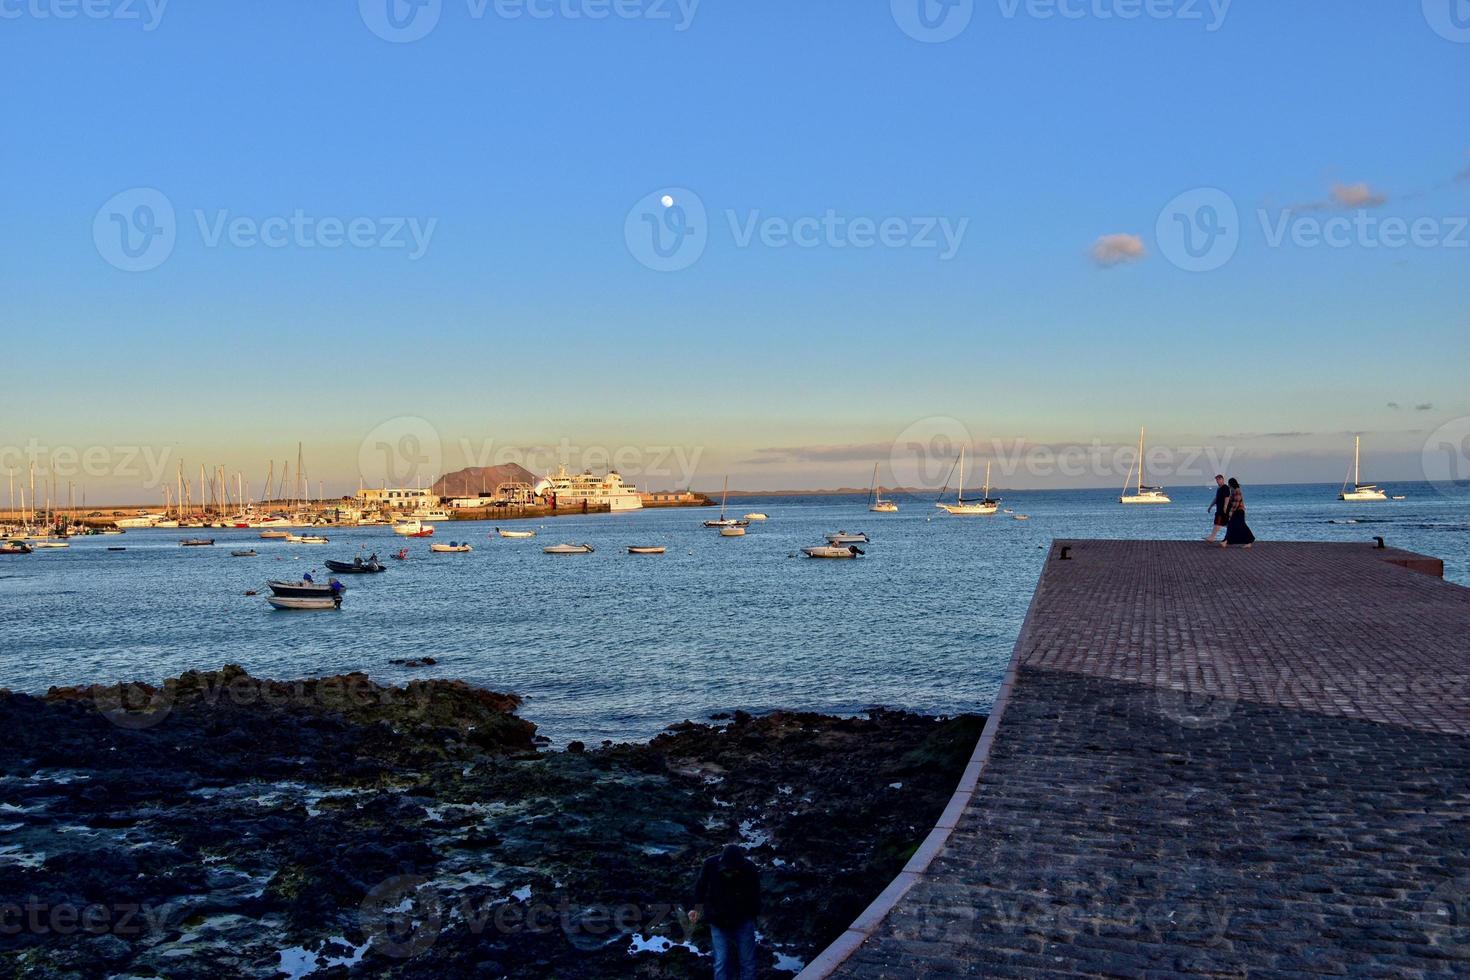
[{"x": 472, "y": 480}]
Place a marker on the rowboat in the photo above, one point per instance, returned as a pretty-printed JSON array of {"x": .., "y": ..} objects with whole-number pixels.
[
  {"x": 515, "y": 534},
  {"x": 44, "y": 543},
  {"x": 650, "y": 550},
  {"x": 304, "y": 603},
  {"x": 569, "y": 549},
  {"x": 757, "y": 517},
  {"x": 832, "y": 551},
  {"x": 846, "y": 538},
  {"x": 248, "y": 553},
  {"x": 453, "y": 547},
  {"x": 197, "y": 543},
  {"x": 734, "y": 531}
]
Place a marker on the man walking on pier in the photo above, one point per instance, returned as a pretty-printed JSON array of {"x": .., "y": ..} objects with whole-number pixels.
[
  {"x": 728, "y": 896},
  {"x": 1222, "y": 499}
]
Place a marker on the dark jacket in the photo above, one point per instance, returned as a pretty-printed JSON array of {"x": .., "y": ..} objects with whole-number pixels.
[
  {"x": 730, "y": 891},
  {"x": 1222, "y": 497}
]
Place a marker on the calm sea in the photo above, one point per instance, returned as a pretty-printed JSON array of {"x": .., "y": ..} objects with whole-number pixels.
[{"x": 613, "y": 646}]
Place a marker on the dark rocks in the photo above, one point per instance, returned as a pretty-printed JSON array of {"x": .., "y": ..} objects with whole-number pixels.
[{"x": 227, "y": 825}]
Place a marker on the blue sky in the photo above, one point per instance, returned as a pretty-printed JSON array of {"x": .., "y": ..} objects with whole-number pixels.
[{"x": 519, "y": 146}]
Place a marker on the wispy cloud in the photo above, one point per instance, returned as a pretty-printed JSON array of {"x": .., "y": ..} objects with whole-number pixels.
[
  {"x": 1424, "y": 407},
  {"x": 1346, "y": 197},
  {"x": 852, "y": 453},
  {"x": 1394, "y": 406},
  {"x": 1112, "y": 250}
]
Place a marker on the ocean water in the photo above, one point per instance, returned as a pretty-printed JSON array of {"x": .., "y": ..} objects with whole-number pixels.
[{"x": 616, "y": 646}]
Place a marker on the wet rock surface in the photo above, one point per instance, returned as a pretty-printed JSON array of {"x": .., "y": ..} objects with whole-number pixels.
[{"x": 225, "y": 825}]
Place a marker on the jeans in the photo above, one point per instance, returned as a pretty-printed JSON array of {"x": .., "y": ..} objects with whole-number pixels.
[{"x": 740, "y": 941}]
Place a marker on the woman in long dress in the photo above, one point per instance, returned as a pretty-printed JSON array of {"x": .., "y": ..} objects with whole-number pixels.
[{"x": 1237, "y": 531}]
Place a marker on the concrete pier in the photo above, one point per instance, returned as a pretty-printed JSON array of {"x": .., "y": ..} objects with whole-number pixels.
[{"x": 1228, "y": 762}]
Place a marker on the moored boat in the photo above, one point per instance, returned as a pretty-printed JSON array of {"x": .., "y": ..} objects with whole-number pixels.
[
  {"x": 302, "y": 603},
  {"x": 846, "y": 538},
  {"x": 15, "y": 548},
  {"x": 307, "y": 589},
  {"x": 734, "y": 531},
  {"x": 453, "y": 547},
  {"x": 646, "y": 550},
  {"x": 282, "y": 535},
  {"x": 414, "y": 529},
  {"x": 569, "y": 549},
  {"x": 1361, "y": 492},
  {"x": 833, "y": 551},
  {"x": 983, "y": 507},
  {"x": 515, "y": 534},
  {"x": 197, "y": 543},
  {"x": 757, "y": 517},
  {"x": 877, "y": 503},
  {"x": 357, "y": 566},
  {"x": 1142, "y": 494},
  {"x": 724, "y": 521},
  {"x": 247, "y": 553}
]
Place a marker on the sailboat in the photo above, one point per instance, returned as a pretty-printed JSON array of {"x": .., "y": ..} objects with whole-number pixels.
[
  {"x": 1360, "y": 491},
  {"x": 876, "y": 502},
  {"x": 1142, "y": 494},
  {"x": 726, "y": 521},
  {"x": 968, "y": 508}
]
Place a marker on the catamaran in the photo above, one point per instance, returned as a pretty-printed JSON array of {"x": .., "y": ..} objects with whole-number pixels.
[
  {"x": 968, "y": 508},
  {"x": 1360, "y": 491},
  {"x": 1142, "y": 494},
  {"x": 876, "y": 501}
]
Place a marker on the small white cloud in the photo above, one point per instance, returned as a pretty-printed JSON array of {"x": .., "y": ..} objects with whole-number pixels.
[
  {"x": 1111, "y": 250},
  {"x": 1353, "y": 196}
]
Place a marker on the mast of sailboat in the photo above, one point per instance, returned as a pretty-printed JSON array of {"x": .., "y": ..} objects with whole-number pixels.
[
  {"x": 1141, "y": 430},
  {"x": 961, "y": 497},
  {"x": 724, "y": 496},
  {"x": 1357, "y": 472},
  {"x": 873, "y": 489},
  {"x": 987, "y": 479}
]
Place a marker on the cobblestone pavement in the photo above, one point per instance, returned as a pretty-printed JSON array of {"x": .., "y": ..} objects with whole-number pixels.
[{"x": 1210, "y": 761}]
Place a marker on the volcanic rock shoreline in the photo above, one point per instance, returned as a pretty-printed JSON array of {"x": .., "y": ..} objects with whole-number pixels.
[{"x": 222, "y": 825}]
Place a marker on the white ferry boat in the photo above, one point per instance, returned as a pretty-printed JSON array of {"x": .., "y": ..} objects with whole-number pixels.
[{"x": 606, "y": 491}]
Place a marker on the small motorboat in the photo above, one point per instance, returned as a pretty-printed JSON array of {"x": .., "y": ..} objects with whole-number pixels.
[
  {"x": 48, "y": 543},
  {"x": 734, "y": 531},
  {"x": 453, "y": 547},
  {"x": 307, "y": 589},
  {"x": 197, "y": 543},
  {"x": 844, "y": 537},
  {"x": 304, "y": 602},
  {"x": 1399, "y": 497},
  {"x": 515, "y": 534},
  {"x": 1023, "y": 517},
  {"x": 569, "y": 549},
  {"x": 357, "y": 566},
  {"x": 113, "y": 532},
  {"x": 757, "y": 517},
  {"x": 646, "y": 550},
  {"x": 727, "y": 522},
  {"x": 247, "y": 553},
  {"x": 833, "y": 551},
  {"x": 16, "y": 548},
  {"x": 307, "y": 539},
  {"x": 414, "y": 529},
  {"x": 275, "y": 534}
]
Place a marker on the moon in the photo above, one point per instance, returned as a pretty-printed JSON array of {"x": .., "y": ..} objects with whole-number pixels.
[{"x": 667, "y": 200}]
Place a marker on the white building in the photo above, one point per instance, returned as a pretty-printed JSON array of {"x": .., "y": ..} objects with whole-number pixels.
[{"x": 389, "y": 498}]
